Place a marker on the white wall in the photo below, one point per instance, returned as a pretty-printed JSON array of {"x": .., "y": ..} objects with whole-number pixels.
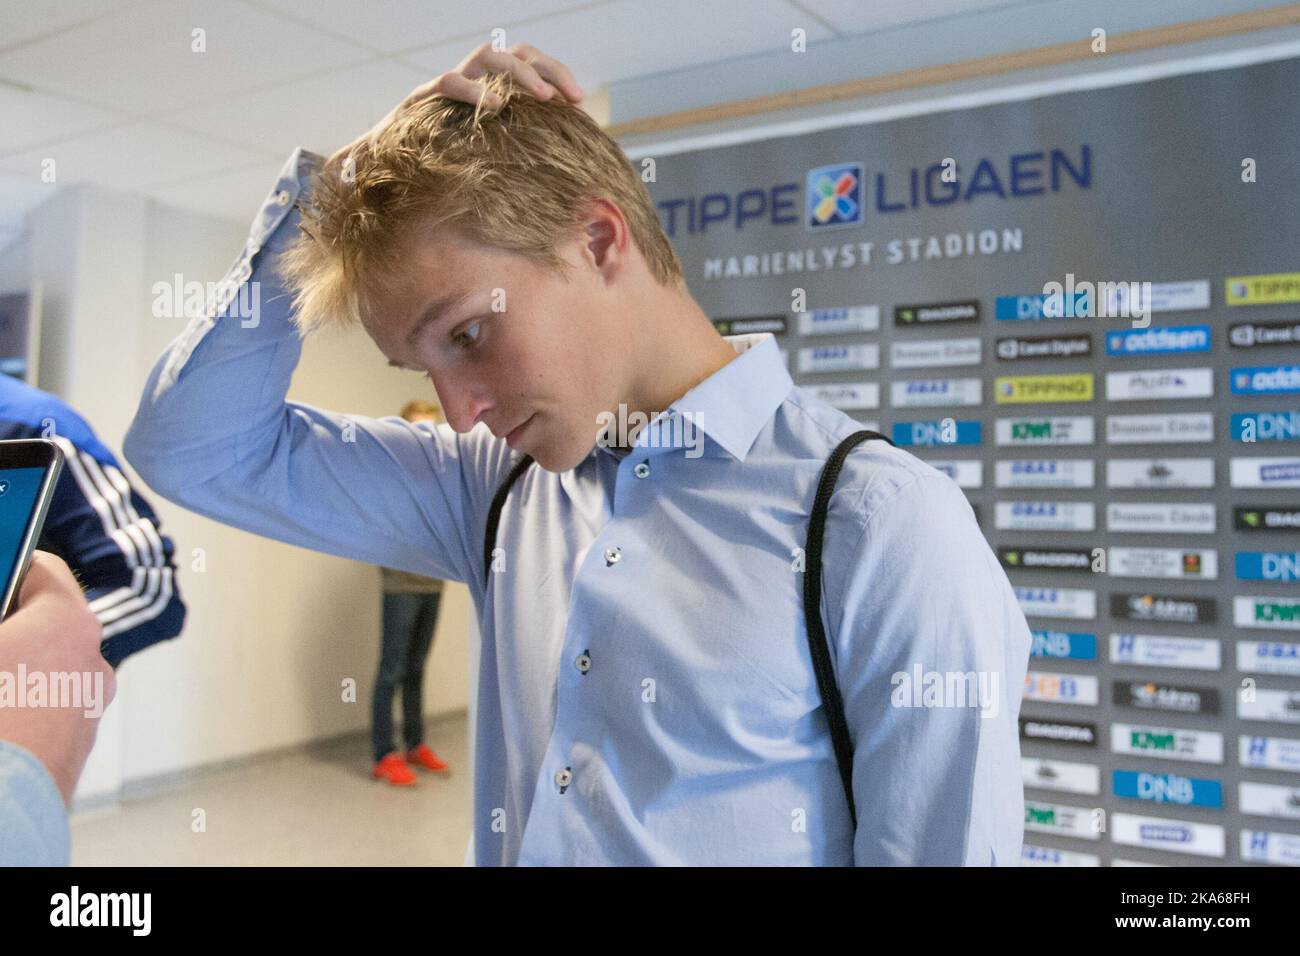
[
  {"x": 15, "y": 266},
  {"x": 272, "y": 630}
]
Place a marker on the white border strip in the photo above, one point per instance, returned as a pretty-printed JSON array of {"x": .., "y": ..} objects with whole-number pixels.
[{"x": 1205, "y": 63}]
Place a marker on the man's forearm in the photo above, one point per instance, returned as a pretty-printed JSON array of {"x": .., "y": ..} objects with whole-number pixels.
[
  {"x": 197, "y": 420},
  {"x": 215, "y": 433}
]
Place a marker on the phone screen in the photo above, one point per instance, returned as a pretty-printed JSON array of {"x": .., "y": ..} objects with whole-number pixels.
[{"x": 19, "y": 489}]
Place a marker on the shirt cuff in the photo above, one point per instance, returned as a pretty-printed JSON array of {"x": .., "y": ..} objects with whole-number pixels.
[{"x": 33, "y": 820}]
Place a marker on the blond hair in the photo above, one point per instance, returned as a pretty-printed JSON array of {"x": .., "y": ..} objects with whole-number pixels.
[
  {"x": 514, "y": 178},
  {"x": 418, "y": 406}
]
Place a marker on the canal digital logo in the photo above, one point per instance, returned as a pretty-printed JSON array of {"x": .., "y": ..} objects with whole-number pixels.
[{"x": 834, "y": 196}]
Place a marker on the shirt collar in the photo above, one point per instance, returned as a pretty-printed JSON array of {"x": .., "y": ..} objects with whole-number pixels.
[{"x": 732, "y": 405}]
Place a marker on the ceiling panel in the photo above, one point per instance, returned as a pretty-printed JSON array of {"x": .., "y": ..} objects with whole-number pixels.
[
  {"x": 30, "y": 118},
  {"x": 130, "y": 157},
  {"x": 395, "y": 25},
  {"x": 141, "y": 60},
  {"x": 855, "y": 16},
  {"x": 627, "y": 38},
  {"x": 231, "y": 195},
  {"x": 322, "y": 113},
  {"x": 25, "y": 20}
]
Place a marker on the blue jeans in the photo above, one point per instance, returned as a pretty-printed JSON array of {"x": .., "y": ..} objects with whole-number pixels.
[{"x": 409, "y": 621}]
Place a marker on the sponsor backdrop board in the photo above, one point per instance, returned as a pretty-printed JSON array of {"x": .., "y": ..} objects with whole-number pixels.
[{"x": 1145, "y": 408}]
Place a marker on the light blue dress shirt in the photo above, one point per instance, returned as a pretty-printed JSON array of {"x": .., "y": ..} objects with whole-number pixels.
[
  {"x": 645, "y": 692},
  {"x": 33, "y": 820}
]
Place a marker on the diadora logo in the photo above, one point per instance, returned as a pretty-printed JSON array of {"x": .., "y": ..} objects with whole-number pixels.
[{"x": 834, "y": 196}]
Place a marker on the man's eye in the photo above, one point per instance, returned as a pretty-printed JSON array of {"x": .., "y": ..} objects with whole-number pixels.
[{"x": 467, "y": 337}]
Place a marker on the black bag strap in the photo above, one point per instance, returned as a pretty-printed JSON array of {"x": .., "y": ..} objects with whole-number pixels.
[
  {"x": 812, "y": 590},
  {"x": 494, "y": 513},
  {"x": 812, "y": 596}
]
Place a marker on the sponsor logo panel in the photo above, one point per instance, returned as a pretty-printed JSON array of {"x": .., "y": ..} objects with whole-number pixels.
[
  {"x": 1065, "y": 430},
  {"x": 967, "y": 310},
  {"x": 924, "y": 392},
  {"x": 1271, "y": 613},
  {"x": 1167, "y": 788},
  {"x": 1061, "y": 819},
  {"x": 1188, "y": 428},
  {"x": 1269, "y": 800},
  {"x": 1058, "y": 602},
  {"x": 1257, "y": 846},
  {"x": 1054, "y": 688},
  {"x": 858, "y": 318},
  {"x": 1159, "y": 650},
  {"x": 1171, "y": 383},
  {"x": 1268, "y": 753},
  {"x": 1063, "y": 775},
  {"x": 1045, "y": 516},
  {"x": 848, "y": 396},
  {"x": 1160, "y": 473},
  {"x": 1197, "y": 563},
  {"x": 1266, "y": 380},
  {"x": 1167, "y": 743},
  {"x": 1278, "y": 706},
  {"x": 1158, "y": 340},
  {"x": 1263, "y": 289},
  {"x": 936, "y": 352},
  {"x": 1175, "y": 609},
  {"x": 1180, "y": 836},
  {"x": 1197, "y": 518},
  {"x": 1264, "y": 472},
  {"x": 839, "y": 358},
  {"x": 1268, "y": 657},
  {"x": 1017, "y": 348},
  {"x": 1266, "y": 426},
  {"x": 1028, "y": 389},
  {"x": 938, "y": 433}
]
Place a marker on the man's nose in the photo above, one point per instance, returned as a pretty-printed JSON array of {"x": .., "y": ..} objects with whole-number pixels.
[{"x": 462, "y": 403}]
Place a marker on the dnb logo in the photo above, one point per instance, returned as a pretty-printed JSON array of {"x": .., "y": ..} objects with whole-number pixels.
[{"x": 834, "y": 196}]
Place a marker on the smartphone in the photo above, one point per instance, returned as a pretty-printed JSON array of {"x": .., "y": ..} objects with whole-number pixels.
[{"x": 29, "y": 471}]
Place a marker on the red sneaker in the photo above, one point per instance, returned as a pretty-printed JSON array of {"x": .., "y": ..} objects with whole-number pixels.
[
  {"x": 394, "y": 769},
  {"x": 422, "y": 756}
]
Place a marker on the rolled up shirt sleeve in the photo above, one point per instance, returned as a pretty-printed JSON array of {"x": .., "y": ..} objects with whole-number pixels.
[
  {"x": 931, "y": 650},
  {"x": 33, "y": 820},
  {"x": 214, "y": 432}
]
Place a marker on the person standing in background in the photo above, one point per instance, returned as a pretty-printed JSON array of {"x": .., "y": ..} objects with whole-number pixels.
[
  {"x": 410, "y": 618},
  {"x": 101, "y": 525}
]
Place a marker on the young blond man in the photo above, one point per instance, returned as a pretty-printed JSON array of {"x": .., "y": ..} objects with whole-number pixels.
[{"x": 647, "y": 689}]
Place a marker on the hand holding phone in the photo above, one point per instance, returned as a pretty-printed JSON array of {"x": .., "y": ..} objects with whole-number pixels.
[
  {"x": 53, "y": 637},
  {"x": 29, "y": 471}
]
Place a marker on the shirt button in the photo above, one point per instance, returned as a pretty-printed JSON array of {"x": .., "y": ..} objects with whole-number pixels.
[
  {"x": 583, "y": 663},
  {"x": 642, "y": 470},
  {"x": 282, "y": 197},
  {"x": 612, "y": 555},
  {"x": 563, "y": 778}
]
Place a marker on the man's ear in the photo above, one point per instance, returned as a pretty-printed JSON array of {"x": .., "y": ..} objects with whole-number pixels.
[{"x": 608, "y": 241}]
